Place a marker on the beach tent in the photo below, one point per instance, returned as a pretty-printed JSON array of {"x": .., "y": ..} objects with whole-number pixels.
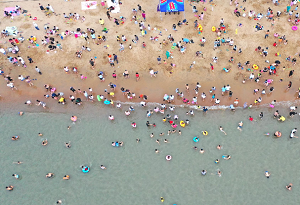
[{"x": 171, "y": 5}]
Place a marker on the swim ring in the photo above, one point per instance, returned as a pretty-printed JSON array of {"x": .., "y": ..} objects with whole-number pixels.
[
  {"x": 204, "y": 132},
  {"x": 162, "y": 199},
  {"x": 85, "y": 169},
  {"x": 173, "y": 47},
  {"x": 182, "y": 124},
  {"x": 168, "y": 157},
  {"x": 106, "y": 102},
  {"x": 74, "y": 118},
  {"x": 213, "y": 29},
  {"x": 294, "y": 28},
  {"x": 196, "y": 139},
  {"x": 255, "y": 67}
]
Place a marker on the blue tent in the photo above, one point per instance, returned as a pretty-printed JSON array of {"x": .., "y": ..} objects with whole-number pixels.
[{"x": 171, "y": 5}]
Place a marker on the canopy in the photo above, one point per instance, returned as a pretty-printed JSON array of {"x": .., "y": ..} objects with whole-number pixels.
[{"x": 171, "y": 5}]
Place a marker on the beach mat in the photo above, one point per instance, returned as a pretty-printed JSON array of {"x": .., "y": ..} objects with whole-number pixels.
[
  {"x": 12, "y": 11},
  {"x": 115, "y": 5},
  {"x": 88, "y": 5}
]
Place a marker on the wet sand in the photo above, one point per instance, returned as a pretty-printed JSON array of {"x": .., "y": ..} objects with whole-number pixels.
[{"x": 140, "y": 60}]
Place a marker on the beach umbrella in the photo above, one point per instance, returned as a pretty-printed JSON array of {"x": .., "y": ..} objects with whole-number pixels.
[{"x": 78, "y": 100}]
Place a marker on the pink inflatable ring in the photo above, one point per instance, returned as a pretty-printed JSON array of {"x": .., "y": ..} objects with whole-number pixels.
[{"x": 294, "y": 28}]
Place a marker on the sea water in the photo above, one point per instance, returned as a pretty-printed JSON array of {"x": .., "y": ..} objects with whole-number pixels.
[{"x": 137, "y": 175}]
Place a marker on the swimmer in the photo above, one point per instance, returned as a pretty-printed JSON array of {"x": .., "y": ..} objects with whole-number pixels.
[
  {"x": 68, "y": 144},
  {"x": 277, "y": 134},
  {"x": 240, "y": 126},
  {"x": 127, "y": 113},
  {"x": 289, "y": 187},
  {"x": 187, "y": 121},
  {"x": 15, "y": 138},
  {"x": 219, "y": 147},
  {"x": 66, "y": 177},
  {"x": 164, "y": 119},
  {"x": 21, "y": 113},
  {"x": 219, "y": 173},
  {"x": 118, "y": 105},
  {"x": 201, "y": 151},
  {"x": 217, "y": 161},
  {"x": 137, "y": 140},
  {"x": 267, "y": 134},
  {"x": 154, "y": 125},
  {"x": 221, "y": 129},
  {"x": 204, "y": 132},
  {"x": 45, "y": 142},
  {"x": 276, "y": 114},
  {"x": 16, "y": 176},
  {"x": 227, "y": 157},
  {"x": 195, "y": 148},
  {"x": 157, "y": 141},
  {"x": 161, "y": 134},
  {"x": 151, "y": 135},
  {"x": 173, "y": 131},
  {"x": 49, "y": 175},
  {"x": 169, "y": 132},
  {"x": 121, "y": 144},
  {"x": 59, "y": 202},
  {"x": 10, "y": 188},
  {"x": 133, "y": 125},
  {"x": 267, "y": 174},
  {"x": 191, "y": 112},
  {"x": 111, "y": 117},
  {"x": 102, "y": 167},
  {"x": 203, "y": 172},
  {"x": 69, "y": 127},
  {"x": 166, "y": 141},
  {"x": 18, "y": 162},
  {"x": 261, "y": 115},
  {"x": 40, "y": 134},
  {"x": 156, "y": 151},
  {"x": 179, "y": 132}
]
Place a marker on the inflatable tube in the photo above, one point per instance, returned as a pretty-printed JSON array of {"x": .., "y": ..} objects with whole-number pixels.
[
  {"x": 294, "y": 28},
  {"x": 200, "y": 27},
  {"x": 106, "y": 102},
  {"x": 85, "y": 169},
  {"x": 173, "y": 47},
  {"x": 162, "y": 199},
  {"x": 182, "y": 124},
  {"x": 255, "y": 67},
  {"x": 196, "y": 139},
  {"x": 74, "y": 118},
  {"x": 205, "y": 133},
  {"x": 98, "y": 98},
  {"x": 213, "y": 29},
  {"x": 168, "y": 157}
]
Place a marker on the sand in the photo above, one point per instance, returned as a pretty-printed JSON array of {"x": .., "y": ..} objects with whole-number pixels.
[{"x": 141, "y": 59}]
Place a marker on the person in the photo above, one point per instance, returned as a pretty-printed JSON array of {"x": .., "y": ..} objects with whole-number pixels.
[
  {"x": 102, "y": 167},
  {"x": 293, "y": 132},
  {"x": 10, "y": 188},
  {"x": 203, "y": 172},
  {"x": 16, "y": 176},
  {"x": 45, "y": 142},
  {"x": 201, "y": 151},
  {"x": 68, "y": 144},
  {"x": 289, "y": 187},
  {"x": 49, "y": 175},
  {"x": 219, "y": 147},
  {"x": 267, "y": 174},
  {"x": 240, "y": 126},
  {"x": 18, "y": 162},
  {"x": 66, "y": 177},
  {"x": 156, "y": 151},
  {"x": 221, "y": 129}
]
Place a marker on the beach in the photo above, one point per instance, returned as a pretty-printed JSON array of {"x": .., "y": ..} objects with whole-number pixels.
[{"x": 117, "y": 115}]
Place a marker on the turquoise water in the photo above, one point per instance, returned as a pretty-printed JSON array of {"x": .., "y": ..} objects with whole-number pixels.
[{"x": 135, "y": 174}]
